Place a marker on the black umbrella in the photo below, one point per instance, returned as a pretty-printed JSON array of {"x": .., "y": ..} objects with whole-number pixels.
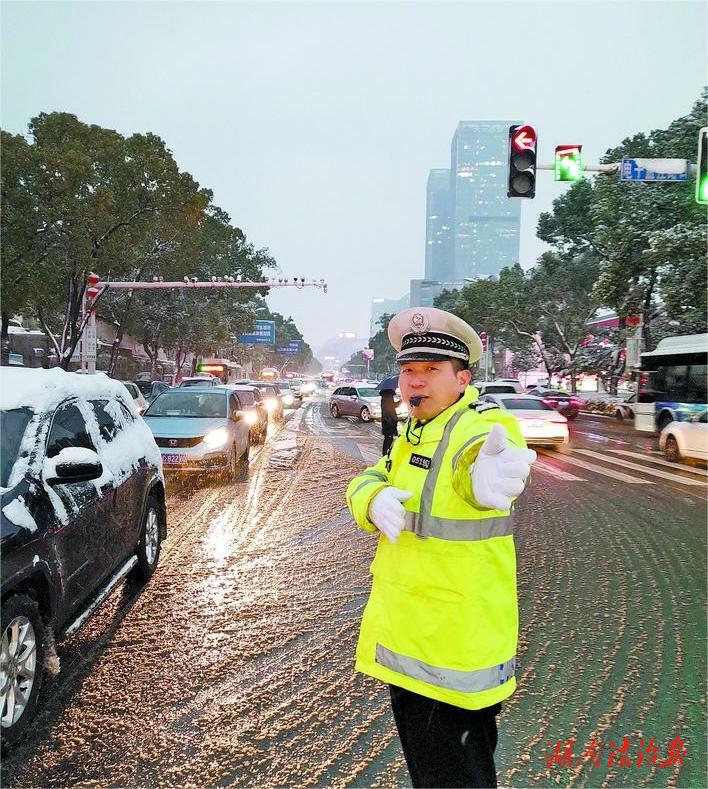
[{"x": 388, "y": 383}]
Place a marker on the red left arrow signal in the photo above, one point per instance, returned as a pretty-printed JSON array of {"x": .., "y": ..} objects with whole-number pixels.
[{"x": 525, "y": 138}]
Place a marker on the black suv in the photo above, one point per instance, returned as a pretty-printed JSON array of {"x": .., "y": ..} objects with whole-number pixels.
[{"x": 83, "y": 505}]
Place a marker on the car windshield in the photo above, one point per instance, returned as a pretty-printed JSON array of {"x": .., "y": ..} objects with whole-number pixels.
[
  {"x": 12, "y": 428},
  {"x": 245, "y": 396},
  {"x": 368, "y": 392},
  {"x": 521, "y": 404},
  {"x": 189, "y": 404}
]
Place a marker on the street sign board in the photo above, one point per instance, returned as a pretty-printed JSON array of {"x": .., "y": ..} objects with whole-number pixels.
[
  {"x": 263, "y": 334},
  {"x": 367, "y": 354},
  {"x": 653, "y": 169},
  {"x": 293, "y": 348},
  {"x": 90, "y": 335}
]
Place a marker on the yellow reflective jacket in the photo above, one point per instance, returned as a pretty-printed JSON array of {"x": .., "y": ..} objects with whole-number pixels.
[{"x": 442, "y": 616}]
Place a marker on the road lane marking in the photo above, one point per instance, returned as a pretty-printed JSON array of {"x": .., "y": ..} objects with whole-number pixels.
[
  {"x": 600, "y": 437},
  {"x": 637, "y": 467},
  {"x": 556, "y": 472},
  {"x": 681, "y": 466},
  {"x": 616, "y": 475}
]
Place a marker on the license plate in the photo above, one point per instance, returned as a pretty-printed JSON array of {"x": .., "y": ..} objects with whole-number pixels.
[{"x": 170, "y": 459}]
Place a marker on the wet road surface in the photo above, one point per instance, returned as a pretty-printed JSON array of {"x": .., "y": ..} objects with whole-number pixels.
[{"x": 235, "y": 663}]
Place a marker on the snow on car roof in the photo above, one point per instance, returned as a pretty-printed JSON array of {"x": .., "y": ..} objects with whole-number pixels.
[{"x": 44, "y": 389}]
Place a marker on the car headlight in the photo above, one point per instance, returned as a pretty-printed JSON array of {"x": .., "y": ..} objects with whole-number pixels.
[
  {"x": 288, "y": 399},
  {"x": 217, "y": 438},
  {"x": 250, "y": 417},
  {"x": 271, "y": 404}
]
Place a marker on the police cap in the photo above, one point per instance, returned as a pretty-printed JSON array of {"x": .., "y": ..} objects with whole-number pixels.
[{"x": 422, "y": 334}]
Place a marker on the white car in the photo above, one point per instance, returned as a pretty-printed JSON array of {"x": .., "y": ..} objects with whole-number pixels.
[
  {"x": 541, "y": 424},
  {"x": 685, "y": 439},
  {"x": 139, "y": 402},
  {"x": 497, "y": 387}
]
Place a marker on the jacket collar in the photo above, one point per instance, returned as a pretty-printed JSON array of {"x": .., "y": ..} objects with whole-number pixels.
[{"x": 433, "y": 429}]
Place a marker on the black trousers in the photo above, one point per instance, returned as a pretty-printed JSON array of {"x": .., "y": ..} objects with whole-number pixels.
[
  {"x": 389, "y": 438},
  {"x": 445, "y": 745}
]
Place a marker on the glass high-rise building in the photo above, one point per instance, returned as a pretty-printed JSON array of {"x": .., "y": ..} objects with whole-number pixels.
[
  {"x": 485, "y": 222},
  {"x": 438, "y": 227}
]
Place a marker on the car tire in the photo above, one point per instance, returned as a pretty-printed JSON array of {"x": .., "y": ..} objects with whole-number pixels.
[
  {"x": 334, "y": 410},
  {"x": 664, "y": 420},
  {"x": 671, "y": 450},
  {"x": 365, "y": 415},
  {"x": 619, "y": 416},
  {"x": 149, "y": 544},
  {"x": 22, "y": 631}
]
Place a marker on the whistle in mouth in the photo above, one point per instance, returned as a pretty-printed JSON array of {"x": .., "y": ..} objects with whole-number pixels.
[{"x": 416, "y": 401}]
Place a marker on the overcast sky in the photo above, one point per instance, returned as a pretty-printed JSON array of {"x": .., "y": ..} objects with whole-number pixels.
[{"x": 315, "y": 124}]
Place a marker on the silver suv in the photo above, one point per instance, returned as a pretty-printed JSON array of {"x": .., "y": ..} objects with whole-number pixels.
[{"x": 361, "y": 401}]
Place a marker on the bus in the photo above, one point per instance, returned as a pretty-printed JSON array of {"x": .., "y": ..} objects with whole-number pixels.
[
  {"x": 225, "y": 370},
  {"x": 674, "y": 380}
]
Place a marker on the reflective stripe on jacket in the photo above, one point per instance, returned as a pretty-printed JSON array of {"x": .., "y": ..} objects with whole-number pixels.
[{"x": 442, "y": 618}]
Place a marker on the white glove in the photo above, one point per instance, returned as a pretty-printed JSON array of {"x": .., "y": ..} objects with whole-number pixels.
[
  {"x": 387, "y": 513},
  {"x": 500, "y": 471}
]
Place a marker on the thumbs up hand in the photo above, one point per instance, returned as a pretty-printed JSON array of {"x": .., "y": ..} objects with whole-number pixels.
[
  {"x": 500, "y": 471},
  {"x": 387, "y": 513}
]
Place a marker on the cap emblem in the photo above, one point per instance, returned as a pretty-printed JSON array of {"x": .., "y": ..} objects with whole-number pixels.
[{"x": 419, "y": 323}]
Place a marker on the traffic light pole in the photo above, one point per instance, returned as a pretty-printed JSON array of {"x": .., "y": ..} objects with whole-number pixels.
[{"x": 609, "y": 169}]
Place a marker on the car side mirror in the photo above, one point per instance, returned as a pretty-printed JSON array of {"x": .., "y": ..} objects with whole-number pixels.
[{"x": 72, "y": 464}]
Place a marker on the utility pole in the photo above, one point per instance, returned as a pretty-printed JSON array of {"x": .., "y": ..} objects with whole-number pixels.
[{"x": 96, "y": 288}]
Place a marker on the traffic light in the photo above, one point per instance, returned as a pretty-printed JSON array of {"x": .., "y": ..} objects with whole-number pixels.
[
  {"x": 92, "y": 289},
  {"x": 702, "y": 167},
  {"x": 522, "y": 161},
  {"x": 568, "y": 163},
  {"x": 483, "y": 338}
]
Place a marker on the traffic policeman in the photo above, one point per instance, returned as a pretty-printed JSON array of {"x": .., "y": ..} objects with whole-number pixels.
[{"x": 441, "y": 623}]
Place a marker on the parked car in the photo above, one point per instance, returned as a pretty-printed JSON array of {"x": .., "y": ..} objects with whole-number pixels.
[
  {"x": 272, "y": 399},
  {"x": 361, "y": 401},
  {"x": 625, "y": 409},
  {"x": 151, "y": 389},
  {"x": 83, "y": 505},
  {"x": 201, "y": 430},
  {"x": 680, "y": 440},
  {"x": 541, "y": 424},
  {"x": 255, "y": 411},
  {"x": 199, "y": 380},
  {"x": 139, "y": 402},
  {"x": 565, "y": 403}
]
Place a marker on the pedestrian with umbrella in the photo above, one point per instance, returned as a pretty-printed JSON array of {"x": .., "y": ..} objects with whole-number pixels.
[{"x": 389, "y": 415}]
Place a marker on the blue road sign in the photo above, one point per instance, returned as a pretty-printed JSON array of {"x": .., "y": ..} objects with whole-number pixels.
[
  {"x": 653, "y": 169},
  {"x": 263, "y": 334},
  {"x": 293, "y": 348}
]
